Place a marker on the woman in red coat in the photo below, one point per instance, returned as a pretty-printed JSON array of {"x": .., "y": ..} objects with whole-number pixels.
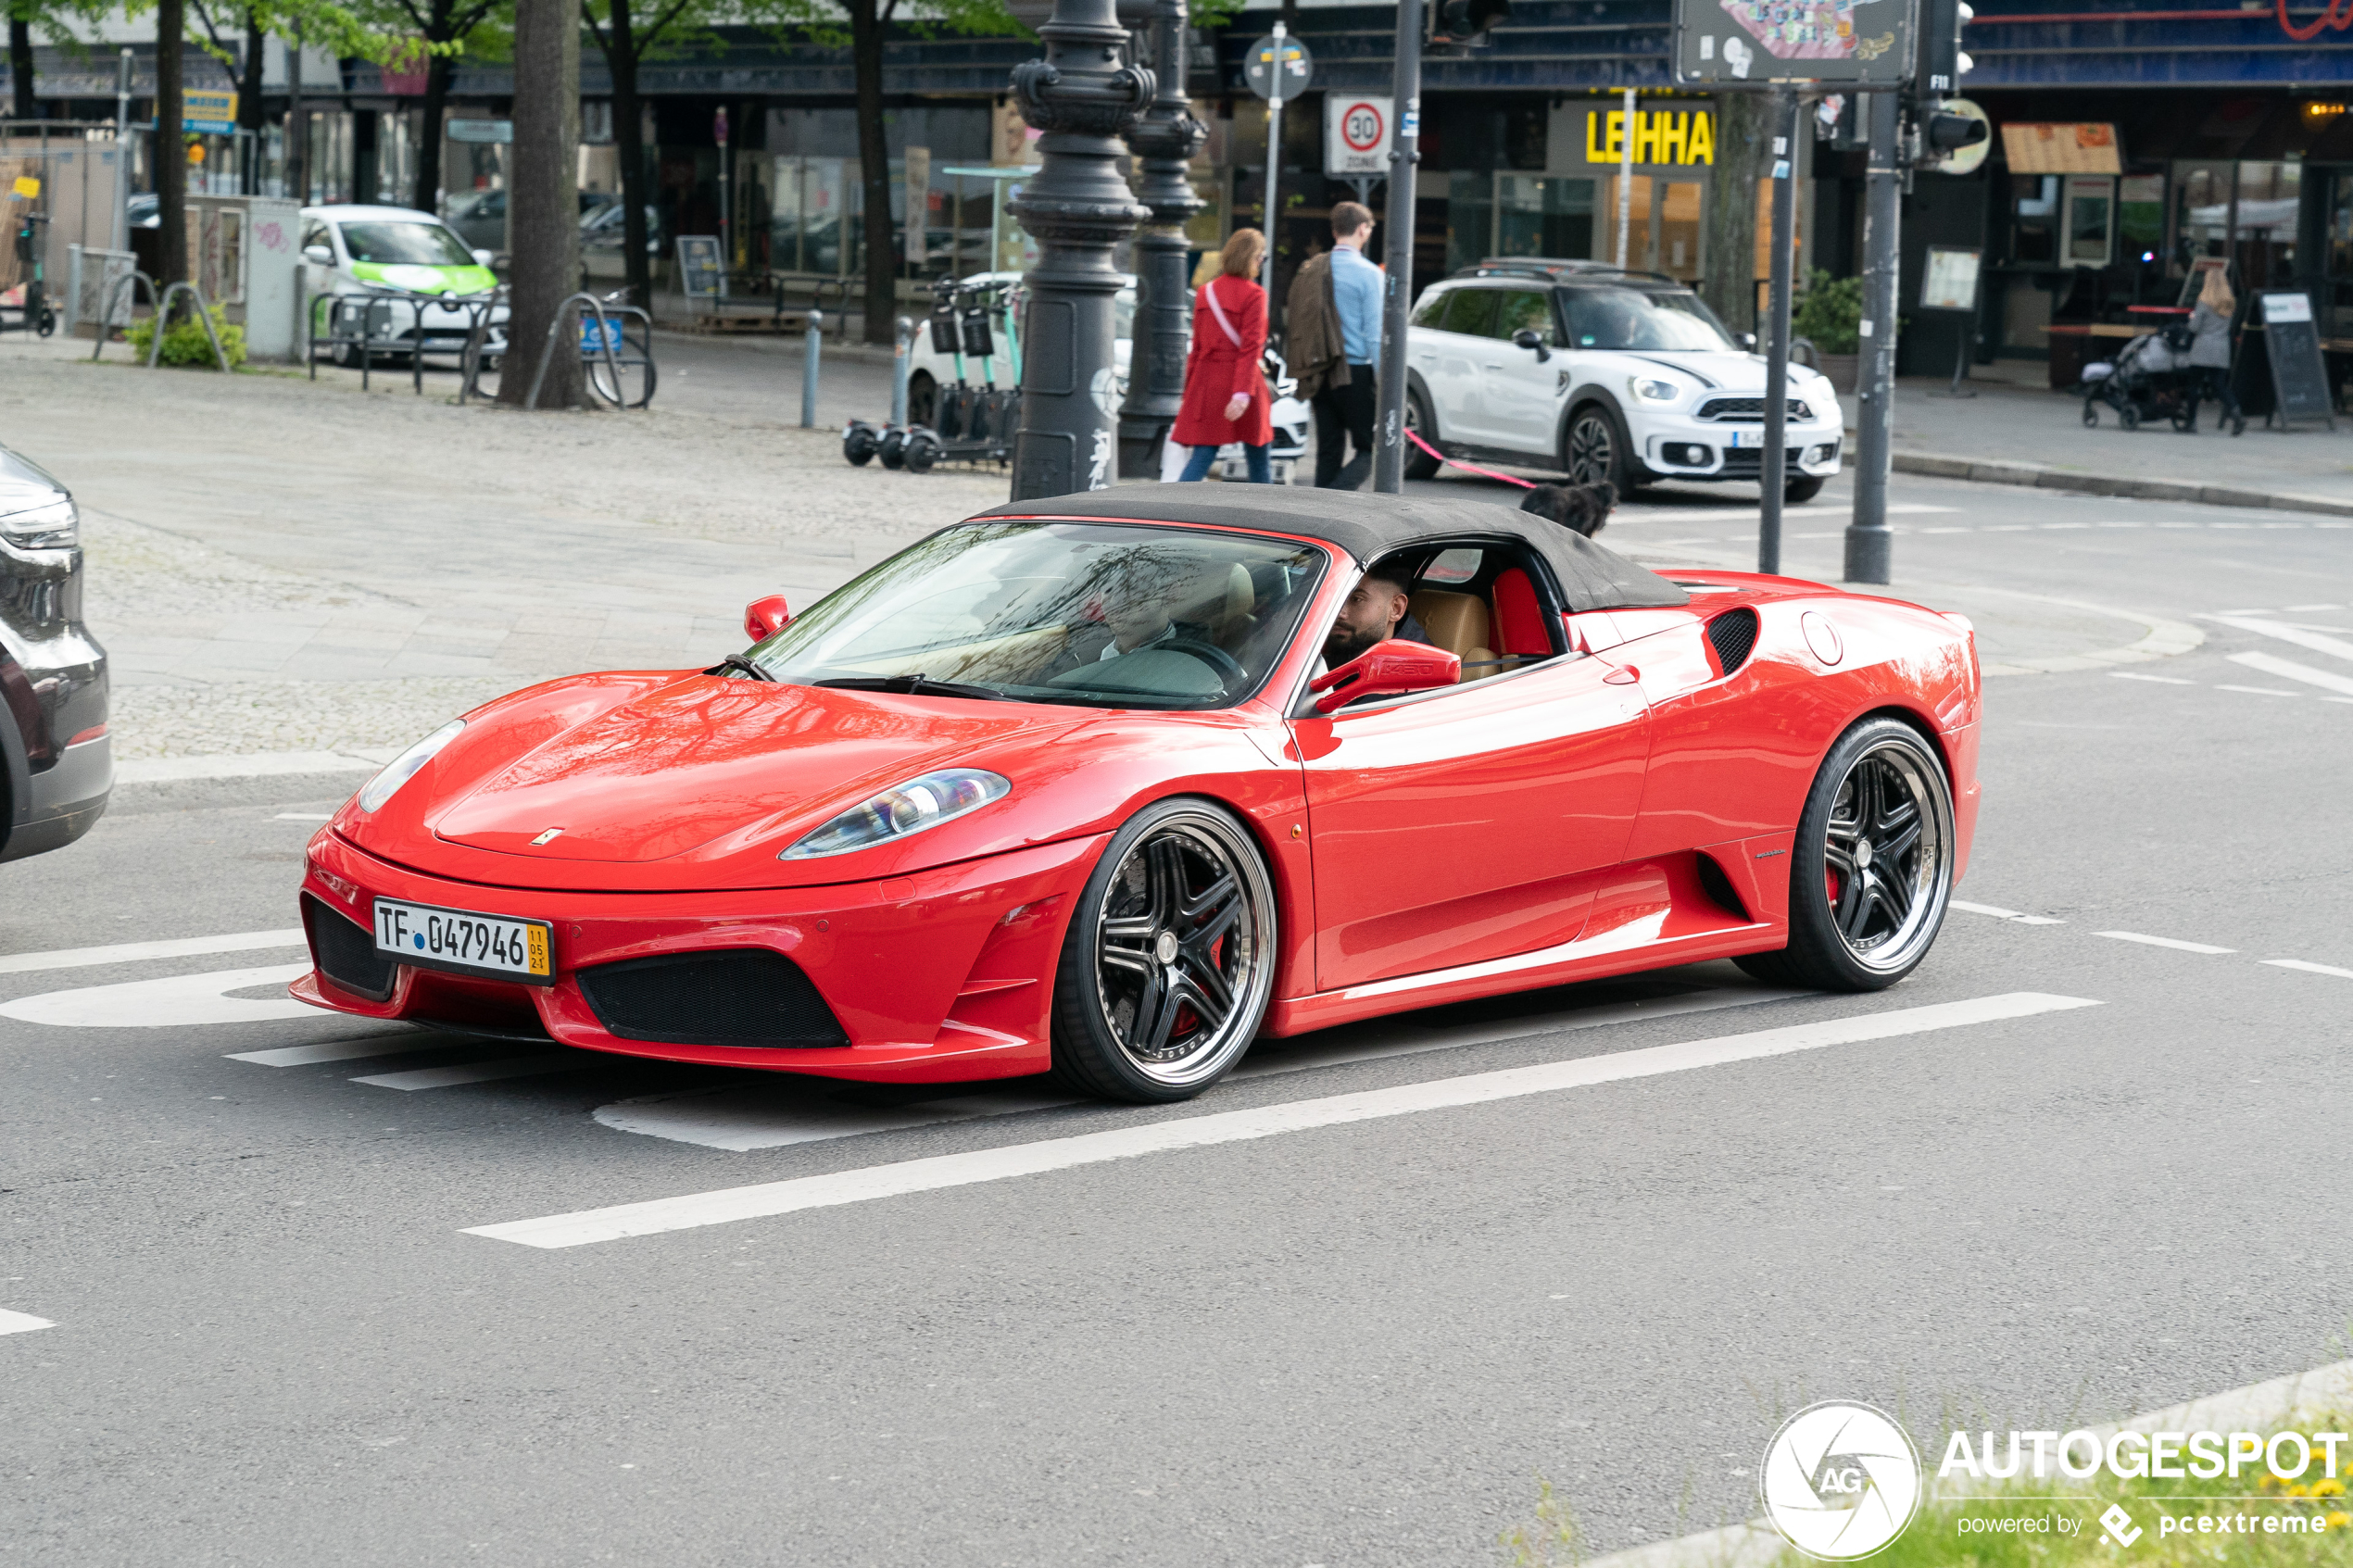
[{"x": 1226, "y": 395}]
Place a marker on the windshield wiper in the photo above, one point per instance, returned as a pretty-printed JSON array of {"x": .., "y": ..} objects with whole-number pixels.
[
  {"x": 742, "y": 666},
  {"x": 912, "y": 685}
]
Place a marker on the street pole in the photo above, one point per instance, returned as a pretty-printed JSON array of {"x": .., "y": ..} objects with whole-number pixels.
[
  {"x": 1274, "y": 163},
  {"x": 1772, "y": 476},
  {"x": 297, "y": 173},
  {"x": 121, "y": 153},
  {"x": 1079, "y": 210},
  {"x": 1404, "y": 152},
  {"x": 726, "y": 203},
  {"x": 1869, "y": 543},
  {"x": 1164, "y": 142},
  {"x": 1625, "y": 178}
]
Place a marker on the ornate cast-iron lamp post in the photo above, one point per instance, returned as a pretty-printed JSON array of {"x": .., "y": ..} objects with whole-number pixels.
[
  {"x": 1166, "y": 140},
  {"x": 1080, "y": 96}
]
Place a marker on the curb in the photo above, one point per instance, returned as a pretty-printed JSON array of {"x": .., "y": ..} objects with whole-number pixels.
[
  {"x": 2163, "y": 639},
  {"x": 1755, "y": 1544},
  {"x": 2039, "y": 477}
]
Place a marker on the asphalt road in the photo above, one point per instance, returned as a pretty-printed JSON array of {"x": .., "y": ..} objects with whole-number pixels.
[{"x": 275, "y": 1341}]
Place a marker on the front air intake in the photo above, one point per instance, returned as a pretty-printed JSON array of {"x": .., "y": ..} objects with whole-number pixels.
[
  {"x": 744, "y": 997},
  {"x": 1733, "y": 636},
  {"x": 345, "y": 952}
]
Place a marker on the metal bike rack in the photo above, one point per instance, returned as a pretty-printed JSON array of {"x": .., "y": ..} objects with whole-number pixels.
[
  {"x": 604, "y": 337},
  {"x": 352, "y": 319},
  {"x": 204, "y": 314}
]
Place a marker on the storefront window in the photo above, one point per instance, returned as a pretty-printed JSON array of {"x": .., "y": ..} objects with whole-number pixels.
[
  {"x": 1537, "y": 215},
  {"x": 1470, "y": 217}
]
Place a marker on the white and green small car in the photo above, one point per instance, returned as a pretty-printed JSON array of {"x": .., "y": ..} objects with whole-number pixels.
[{"x": 404, "y": 254}]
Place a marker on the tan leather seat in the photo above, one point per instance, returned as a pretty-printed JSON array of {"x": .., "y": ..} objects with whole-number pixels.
[{"x": 1458, "y": 623}]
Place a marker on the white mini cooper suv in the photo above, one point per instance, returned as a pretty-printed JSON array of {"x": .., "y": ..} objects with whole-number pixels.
[{"x": 1576, "y": 366}]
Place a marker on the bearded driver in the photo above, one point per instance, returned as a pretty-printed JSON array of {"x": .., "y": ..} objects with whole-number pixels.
[{"x": 1376, "y": 609}]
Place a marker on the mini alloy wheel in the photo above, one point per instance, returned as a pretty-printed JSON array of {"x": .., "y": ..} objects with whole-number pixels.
[
  {"x": 1593, "y": 449},
  {"x": 1872, "y": 869},
  {"x": 1169, "y": 961}
]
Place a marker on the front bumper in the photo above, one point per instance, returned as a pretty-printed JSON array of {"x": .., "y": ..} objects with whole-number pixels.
[
  {"x": 943, "y": 975},
  {"x": 68, "y": 798},
  {"x": 1678, "y": 447}
]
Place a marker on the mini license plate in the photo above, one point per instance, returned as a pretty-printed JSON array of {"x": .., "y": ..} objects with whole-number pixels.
[
  {"x": 1747, "y": 437},
  {"x": 467, "y": 943}
]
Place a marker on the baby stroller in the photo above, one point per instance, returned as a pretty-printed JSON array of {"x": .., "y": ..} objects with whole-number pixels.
[{"x": 2151, "y": 379}]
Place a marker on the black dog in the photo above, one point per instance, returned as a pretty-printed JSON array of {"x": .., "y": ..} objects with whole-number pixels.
[{"x": 1584, "y": 507}]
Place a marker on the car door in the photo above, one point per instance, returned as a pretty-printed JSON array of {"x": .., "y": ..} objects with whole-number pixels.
[
  {"x": 1448, "y": 361},
  {"x": 1468, "y": 825},
  {"x": 1523, "y": 393}
]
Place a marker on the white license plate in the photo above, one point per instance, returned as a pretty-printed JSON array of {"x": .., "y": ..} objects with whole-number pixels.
[
  {"x": 1747, "y": 437},
  {"x": 467, "y": 943}
]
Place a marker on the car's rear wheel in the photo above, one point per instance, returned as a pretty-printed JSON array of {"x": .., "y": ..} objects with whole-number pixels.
[
  {"x": 1418, "y": 463},
  {"x": 1872, "y": 868},
  {"x": 923, "y": 398},
  {"x": 1169, "y": 961}
]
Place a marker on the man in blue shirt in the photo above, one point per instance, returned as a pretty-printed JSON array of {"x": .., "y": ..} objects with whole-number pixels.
[{"x": 1349, "y": 410}]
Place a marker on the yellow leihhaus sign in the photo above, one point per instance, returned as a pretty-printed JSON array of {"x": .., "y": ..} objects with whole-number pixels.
[{"x": 1674, "y": 136}]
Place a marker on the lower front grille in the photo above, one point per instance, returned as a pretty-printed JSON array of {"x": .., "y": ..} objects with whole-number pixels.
[
  {"x": 346, "y": 953},
  {"x": 744, "y": 997}
]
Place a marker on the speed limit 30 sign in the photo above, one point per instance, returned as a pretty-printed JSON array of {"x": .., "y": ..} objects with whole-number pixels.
[{"x": 1356, "y": 134}]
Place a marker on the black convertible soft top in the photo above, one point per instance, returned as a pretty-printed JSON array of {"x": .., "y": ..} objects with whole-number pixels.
[{"x": 1369, "y": 525}]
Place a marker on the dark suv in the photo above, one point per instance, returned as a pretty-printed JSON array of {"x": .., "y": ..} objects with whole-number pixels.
[{"x": 56, "y": 765}]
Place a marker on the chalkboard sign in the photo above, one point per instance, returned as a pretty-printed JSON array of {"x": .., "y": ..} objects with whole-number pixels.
[
  {"x": 2298, "y": 376},
  {"x": 699, "y": 265}
]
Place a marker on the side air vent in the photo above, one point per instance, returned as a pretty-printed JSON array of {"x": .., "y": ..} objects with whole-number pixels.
[
  {"x": 346, "y": 952},
  {"x": 1734, "y": 635},
  {"x": 744, "y": 997}
]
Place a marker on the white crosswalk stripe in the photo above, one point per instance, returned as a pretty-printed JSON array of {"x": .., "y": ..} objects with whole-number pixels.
[
  {"x": 22, "y": 1323},
  {"x": 2318, "y": 642},
  {"x": 2287, "y": 669},
  {"x": 179, "y": 1000},
  {"x": 481, "y": 1071}
]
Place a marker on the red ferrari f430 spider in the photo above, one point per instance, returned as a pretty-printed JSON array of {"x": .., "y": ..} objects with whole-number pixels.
[{"x": 1068, "y": 787}]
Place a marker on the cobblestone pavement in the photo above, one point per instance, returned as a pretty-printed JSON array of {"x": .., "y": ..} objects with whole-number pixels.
[{"x": 283, "y": 565}]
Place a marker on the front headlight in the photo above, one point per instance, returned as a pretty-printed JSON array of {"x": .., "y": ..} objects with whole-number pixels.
[
  {"x": 898, "y": 812},
  {"x": 1649, "y": 391},
  {"x": 403, "y": 768},
  {"x": 53, "y": 527}
]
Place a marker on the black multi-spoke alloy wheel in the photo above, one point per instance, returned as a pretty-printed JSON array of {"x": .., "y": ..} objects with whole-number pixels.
[
  {"x": 1170, "y": 957},
  {"x": 1872, "y": 868},
  {"x": 1595, "y": 451},
  {"x": 1418, "y": 463}
]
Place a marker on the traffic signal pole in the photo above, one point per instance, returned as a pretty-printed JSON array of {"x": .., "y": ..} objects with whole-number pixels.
[
  {"x": 1870, "y": 544},
  {"x": 1404, "y": 153}
]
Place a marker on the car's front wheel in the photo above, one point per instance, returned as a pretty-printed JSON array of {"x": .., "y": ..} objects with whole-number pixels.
[
  {"x": 1594, "y": 450},
  {"x": 1872, "y": 869},
  {"x": 1169, "y": 961},
  {"x": 1802, "y": 489}
]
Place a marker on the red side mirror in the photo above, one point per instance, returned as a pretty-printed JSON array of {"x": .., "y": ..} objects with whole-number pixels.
[
  {"x": 1387, "y": 669},
  {"x": 764, "y": 617}
]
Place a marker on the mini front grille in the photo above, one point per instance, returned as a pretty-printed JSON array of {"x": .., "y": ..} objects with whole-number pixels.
[
  {"x": 1748, "y": 410},
  {"x": 345, "y": 952},
  {"x": 746, "y": 997},
  {"x": 1734, "y": 635}
]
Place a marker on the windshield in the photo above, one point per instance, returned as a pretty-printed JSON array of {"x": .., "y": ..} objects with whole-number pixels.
[
  {"x": 1634, "y": 319},
  {"x": 1099, "y": 614},
  {"x": 406, "y": 245}
]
